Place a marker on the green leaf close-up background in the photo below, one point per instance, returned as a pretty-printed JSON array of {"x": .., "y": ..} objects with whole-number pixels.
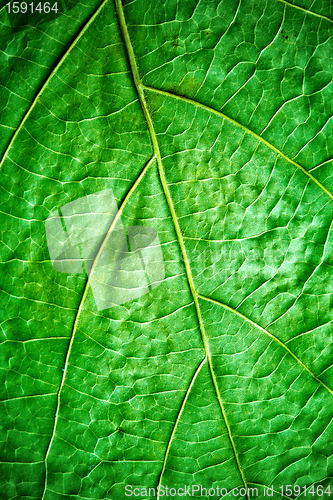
[{"x": 211, "y": 122}]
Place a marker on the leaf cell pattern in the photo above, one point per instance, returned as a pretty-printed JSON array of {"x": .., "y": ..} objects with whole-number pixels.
[{"x": 211, "y": 122}]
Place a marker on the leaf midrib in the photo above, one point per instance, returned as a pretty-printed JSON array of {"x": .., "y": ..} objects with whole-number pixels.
[{"x": 140, "y": 90}]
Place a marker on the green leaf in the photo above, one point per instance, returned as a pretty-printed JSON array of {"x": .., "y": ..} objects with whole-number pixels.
[{"x": 211, "y": 122}]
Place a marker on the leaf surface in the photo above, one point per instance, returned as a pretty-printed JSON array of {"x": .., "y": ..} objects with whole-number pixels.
[{"x": 211, "y": 122}]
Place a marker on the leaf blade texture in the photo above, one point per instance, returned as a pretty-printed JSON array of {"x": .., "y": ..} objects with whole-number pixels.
[{"x": 211, "y": 123}]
